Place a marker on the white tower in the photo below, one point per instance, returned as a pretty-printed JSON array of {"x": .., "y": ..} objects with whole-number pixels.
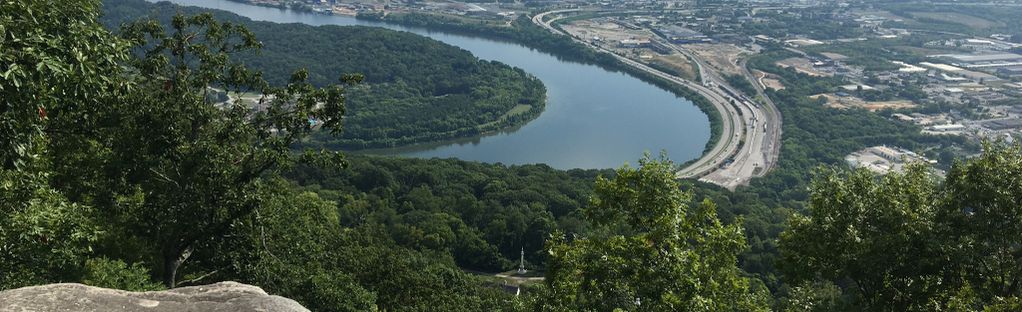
[{"x": 521, "y": 263}]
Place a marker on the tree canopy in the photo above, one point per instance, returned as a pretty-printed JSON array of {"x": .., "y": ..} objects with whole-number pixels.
[
  {"x": 124, "y": 125},
  {"x": 652, "y": 253},
  {"x": 906, "y": 242}
]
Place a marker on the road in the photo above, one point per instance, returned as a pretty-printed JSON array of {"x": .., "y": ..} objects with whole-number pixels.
[
  {"x": 772, "y": 141},
  {"x": 750, "y": 132}
]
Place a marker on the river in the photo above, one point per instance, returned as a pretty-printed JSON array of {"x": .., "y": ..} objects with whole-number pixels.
[{"x": 594, "y": 118}]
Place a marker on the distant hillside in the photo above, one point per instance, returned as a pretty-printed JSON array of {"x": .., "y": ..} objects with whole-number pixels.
[{"x": 417, "y": 89}]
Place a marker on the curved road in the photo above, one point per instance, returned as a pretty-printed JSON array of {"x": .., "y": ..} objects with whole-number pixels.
[{"x": 749, "y": 132}]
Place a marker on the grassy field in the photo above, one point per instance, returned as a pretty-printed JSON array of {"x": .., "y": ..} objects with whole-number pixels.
[
  {"x": 679, "y": 63},
  {"x": 958, "y": 18},
  {"x": 518, "y": 109}
]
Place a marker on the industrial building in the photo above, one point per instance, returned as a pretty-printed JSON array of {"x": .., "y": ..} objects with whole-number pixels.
[
  {"x": 883, "y": 159},
  {"x": 634, "y": 43},
  {"x": 947, "y": 128},
  {"x": 678, "y": 34},
  {"x": 983, "y": 60}
]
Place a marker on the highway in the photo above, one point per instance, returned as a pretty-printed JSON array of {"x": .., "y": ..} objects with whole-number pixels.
[
  {"x": 772, "y": 141},
  {"x": 750, "y": 132}
]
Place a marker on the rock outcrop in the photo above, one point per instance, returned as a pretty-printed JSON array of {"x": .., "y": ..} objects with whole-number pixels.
[{"x": 219, "y": 297}]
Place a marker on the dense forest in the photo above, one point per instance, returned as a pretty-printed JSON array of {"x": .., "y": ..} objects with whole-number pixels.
[
  {"x": 415, "y": 89},
  {"x": 117, "y": 170},
  {"x": 813, "y": 24},
  {"x": 485, "y": 215}
]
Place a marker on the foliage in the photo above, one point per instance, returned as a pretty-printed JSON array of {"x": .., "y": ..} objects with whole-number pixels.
[
  {"x": 137, "y": 138},
  {"x": 416, "y": 89},
  {"x": 741, "y": 83},
  {"x": 43, "y": 237},
  {"x": 816, "y": 296},
  {"x": 182, "y": 173},
  {"x": 811, "y": 23},
  {"x": 108, "y": 273},
  {"x": 981, "y": 222},
  {"x": 483, "y": 215},
  {"x": 164, "y": 179},
  {"x": 290, "y": 245},
  {"x": 657, "y": 254},
  {"x": 955, "y": 240},
  {"x": 296, "y": 245},
  {"x": 853, "y": 224},
  {"x": 53, "y": 61}
]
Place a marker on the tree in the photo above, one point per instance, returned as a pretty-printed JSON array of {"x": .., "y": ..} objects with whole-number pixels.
[
  {"x": 179, "y": 170},
  {"x": 291, "y": 245},
  {"x": 125, "y": 125},
  {"x": 905, "y": 242},
  {"x": 867, "y": 230},
  {"x": 817, "y": 296},
  {"x": 980, "y": 222},
  {"x": 655, "y": 253},
  {"x": 43, "y": 237},
  {"x": 108, "y": 273},
  {"x": 54, "y": 64}
]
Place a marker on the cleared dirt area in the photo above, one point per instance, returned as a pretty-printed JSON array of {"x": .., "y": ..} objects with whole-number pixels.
[
  {"x": 722, "y": 57},
  {"x": 767, "y": 80},
  {"x": 609, "y": 34},
  {"x": 802, "y": 65},
  {"x": 603, "y": 29},
  {"x": 846, "y": 102},
  {"x": 678, "y": 63}
]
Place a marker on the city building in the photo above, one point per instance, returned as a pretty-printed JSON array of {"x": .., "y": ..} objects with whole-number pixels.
[
  {"x": 883, "y": 159},
  {"x": 982, "y": 60}
]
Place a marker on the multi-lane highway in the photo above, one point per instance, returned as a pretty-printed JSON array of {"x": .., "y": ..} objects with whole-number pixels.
[{"x": 750, "y": 131}]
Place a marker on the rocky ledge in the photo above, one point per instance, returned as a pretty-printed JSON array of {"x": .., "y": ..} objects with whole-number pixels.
[{"x": 225, "y": 296}]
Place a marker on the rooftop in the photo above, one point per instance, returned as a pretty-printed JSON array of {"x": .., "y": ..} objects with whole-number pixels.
[{"x": 970, "y": 58}]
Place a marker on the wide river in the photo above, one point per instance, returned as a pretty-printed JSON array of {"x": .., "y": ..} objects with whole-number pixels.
[{"x": 594, "y": 118}]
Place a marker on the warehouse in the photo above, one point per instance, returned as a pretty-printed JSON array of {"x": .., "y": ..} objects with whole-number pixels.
[{"x": 983, "y": 60}]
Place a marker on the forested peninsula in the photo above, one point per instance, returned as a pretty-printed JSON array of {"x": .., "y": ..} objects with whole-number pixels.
[{"x": 415, "y": 90}]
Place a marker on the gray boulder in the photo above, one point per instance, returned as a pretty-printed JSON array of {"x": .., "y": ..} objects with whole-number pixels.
[{"x": 225, "y": 296}]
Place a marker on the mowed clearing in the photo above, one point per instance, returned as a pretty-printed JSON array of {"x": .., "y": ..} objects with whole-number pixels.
[
  {"x": 958, "y": 18},
  {"x": 677, "y": 62}
]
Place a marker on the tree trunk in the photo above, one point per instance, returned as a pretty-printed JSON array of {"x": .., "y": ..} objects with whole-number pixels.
[{"x": 172, "y": 261}]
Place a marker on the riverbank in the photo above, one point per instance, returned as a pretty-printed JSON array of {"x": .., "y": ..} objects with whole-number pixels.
[{"x": 524, "y": 32}]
